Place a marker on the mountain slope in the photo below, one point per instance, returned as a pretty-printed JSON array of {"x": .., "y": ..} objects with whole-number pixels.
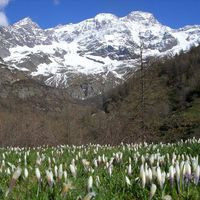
[
  {"x": 33, "y": 114},
  {"x": 171, "y": 101},
  {"x": 94, "y": 55}
]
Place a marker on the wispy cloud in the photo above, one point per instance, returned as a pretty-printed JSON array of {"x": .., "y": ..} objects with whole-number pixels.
[
  {"x": 3, "y": 18},
  {"x": 3, "y": 3},
  {"x": 56, "y": 2}
]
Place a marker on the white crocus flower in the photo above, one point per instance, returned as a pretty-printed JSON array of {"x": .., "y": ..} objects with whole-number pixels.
[
  {"x": 110, "y": 170},
  {"x": 38, "y": 175},
  {"x": 90, "y": 184},
  {"x": 60, "y": 172},
  {"x": 159, "y": 177},
  {"x": 129, "y": 170},
  {"x": 49, "y": 176},
  {"x": 171, "y": 174},
  {"x": 17, "y": 173},
  {"x": 143, "y": 177},
  {"x": 152, "y": 191},
  {"x": 15, "y": 177},
  {"x": 25, "y": 172},
  {"x": 196, "y": 175},
  {"x": 73, "y": 170},
  {"x": 128, "y": 182}
]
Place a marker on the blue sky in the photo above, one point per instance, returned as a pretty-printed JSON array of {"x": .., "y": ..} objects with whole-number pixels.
[{"x": 49, "y": 13}]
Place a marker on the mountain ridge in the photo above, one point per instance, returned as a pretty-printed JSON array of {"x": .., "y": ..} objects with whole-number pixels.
[{"x": 103, "y": 49}]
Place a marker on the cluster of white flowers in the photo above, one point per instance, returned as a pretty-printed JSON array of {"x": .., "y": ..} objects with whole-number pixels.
[{"x": 151, "y": 166}]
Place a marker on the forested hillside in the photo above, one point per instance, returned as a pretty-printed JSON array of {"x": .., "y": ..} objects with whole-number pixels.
[
  {"x": 161, "y": 103},
  {"x": 171, "y": 107}
]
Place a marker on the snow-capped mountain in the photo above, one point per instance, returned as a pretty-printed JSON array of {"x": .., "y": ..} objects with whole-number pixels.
[{"x": 94, "y": 55}]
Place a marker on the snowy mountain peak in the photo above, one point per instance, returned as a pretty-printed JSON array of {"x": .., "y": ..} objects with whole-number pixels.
[
  {"x": 141, "y": 17},
  {"x": 105, "y": 17},
  {"x": 26, "y": 22}
]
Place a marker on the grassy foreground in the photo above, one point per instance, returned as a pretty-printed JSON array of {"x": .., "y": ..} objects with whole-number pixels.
[{"x": 124, "y": 172}]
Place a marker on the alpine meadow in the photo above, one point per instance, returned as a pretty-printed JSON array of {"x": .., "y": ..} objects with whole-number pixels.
[{"x": 99, "y": 100}]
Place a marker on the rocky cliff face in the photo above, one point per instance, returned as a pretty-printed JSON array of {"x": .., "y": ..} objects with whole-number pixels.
[
  {"x": 17, "y": 86},
  {"x": 92, "y": 56}
]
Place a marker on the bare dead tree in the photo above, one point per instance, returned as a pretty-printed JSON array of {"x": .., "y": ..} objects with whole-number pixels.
[
  {"x": 142, "y": 98},
  {"x": 142, "y": 83}
]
